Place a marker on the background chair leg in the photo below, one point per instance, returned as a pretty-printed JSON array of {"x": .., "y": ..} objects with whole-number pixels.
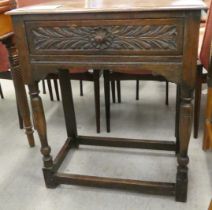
[
  {"x": 50, "y": 89},
  {"x": 113, "y": 91},
  {"x": 1, "y": 92},
  {"x": 107, "y": 98},
  {"x": 97, "y": 99},
  {"x": 167, "y": 93},
  {"x": 137, "y": 89},
  {"x": 81, "y": 88},
  {"x": 197, "y": 101},
  {"x": 20, "y": 119},
  {"x": 44, "y": 86},
  {"x": 56, "y": 89},
  {"x": 119, "y": 90},
  {"x": 177, "y": 118}
]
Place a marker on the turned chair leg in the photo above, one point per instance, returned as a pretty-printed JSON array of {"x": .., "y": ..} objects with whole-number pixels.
[
  {"x": 50, "y": 89},
  {"x": 56, "y": 89},
  {"x": 19, "y": 88},
  {"x": 137, "y": 90},
  {"x": 81, "y": 88},
  {"x": 20, "y": 119},
  {"x": 113, "y": 91},
  {"x": 119, "y": 90},
  {"x": 197, "y": 101},
  {"x": 1, "y": 92},
  {"x": 167, "y": 93},
  {"x": 107, "y": 98},
  {"x": 97, "y": 98}
]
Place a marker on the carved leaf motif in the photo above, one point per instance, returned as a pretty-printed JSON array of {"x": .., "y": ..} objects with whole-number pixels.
[{"x": 133, "y": 37}]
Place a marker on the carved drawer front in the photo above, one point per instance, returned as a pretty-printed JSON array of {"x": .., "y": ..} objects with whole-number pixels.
[{"x": 140, "y": 36}]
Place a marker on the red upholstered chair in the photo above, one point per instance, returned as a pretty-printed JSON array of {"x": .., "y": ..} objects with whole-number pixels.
[{"x": 202, "y": 63}]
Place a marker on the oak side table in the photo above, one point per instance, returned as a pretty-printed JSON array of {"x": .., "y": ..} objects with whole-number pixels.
[{"x": 160, "y": 36}]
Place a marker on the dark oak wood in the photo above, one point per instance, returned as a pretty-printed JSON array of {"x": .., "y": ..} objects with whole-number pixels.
[
  {"x": 68, "y": 104},
  {"x": 62, "y": 153},
  {"x": 7, "y": 38},
  {"x": 186, "y": 109},
  {"x": 127, "y": 143},
  {"x": 200, "y": 79},
  {"x": 40, "y": 123},
  {"x": 1, "y": 92},
  {"x": 160, "y": 36},
  {"x": 93, "y": 76},
  {"x": 158, "y": 188},
  {"x": 7, "y": 75},
  {"x": 207, "y": 137},
  {"x": 21, "y": 97}
]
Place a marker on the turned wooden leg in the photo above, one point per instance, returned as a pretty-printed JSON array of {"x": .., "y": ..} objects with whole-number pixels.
[
  {"x": 40, "y": 125},
  {"x": 137, "y": 89},
  {"x": 68, "y": 105},
  {"x": 113, "y": 90},
  {"x": 107, "y": 98},
  {"x": 21, "y": 125},
  {"x": 185, "y": 122},
  {"x": 97, "y": 99},
  {"x": 19, "y": 89}
]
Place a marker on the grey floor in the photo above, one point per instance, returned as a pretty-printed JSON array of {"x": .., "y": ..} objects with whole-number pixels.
[{"x": 21, "y": 180}]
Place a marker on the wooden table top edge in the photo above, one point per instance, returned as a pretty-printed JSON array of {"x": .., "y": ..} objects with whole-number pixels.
[{"x": 55, "y": 7}]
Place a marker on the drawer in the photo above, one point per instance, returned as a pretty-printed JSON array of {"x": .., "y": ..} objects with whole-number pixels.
[{"x": 106, "y": 37}]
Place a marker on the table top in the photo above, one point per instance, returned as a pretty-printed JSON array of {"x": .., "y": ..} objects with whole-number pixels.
[{"x": 81, "y": 6}]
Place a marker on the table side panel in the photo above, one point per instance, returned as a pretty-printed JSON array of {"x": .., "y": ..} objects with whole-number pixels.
[{"x": 145, "y": 48}]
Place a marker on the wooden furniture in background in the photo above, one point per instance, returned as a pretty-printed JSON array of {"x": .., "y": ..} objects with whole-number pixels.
[
  {"x": 207, "y": 138},
  {"x": 7, "y": 38},
  {"x": 210, "y": 207},
  {"x": 202, "y": 63},
  {"x": 120, "y": 75},
  {"x": 159, "y": 36},
  {"x": 1, "y": 92},
  {"x": 5, "y": 73},
  {"x": 81, "y": 74}
]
